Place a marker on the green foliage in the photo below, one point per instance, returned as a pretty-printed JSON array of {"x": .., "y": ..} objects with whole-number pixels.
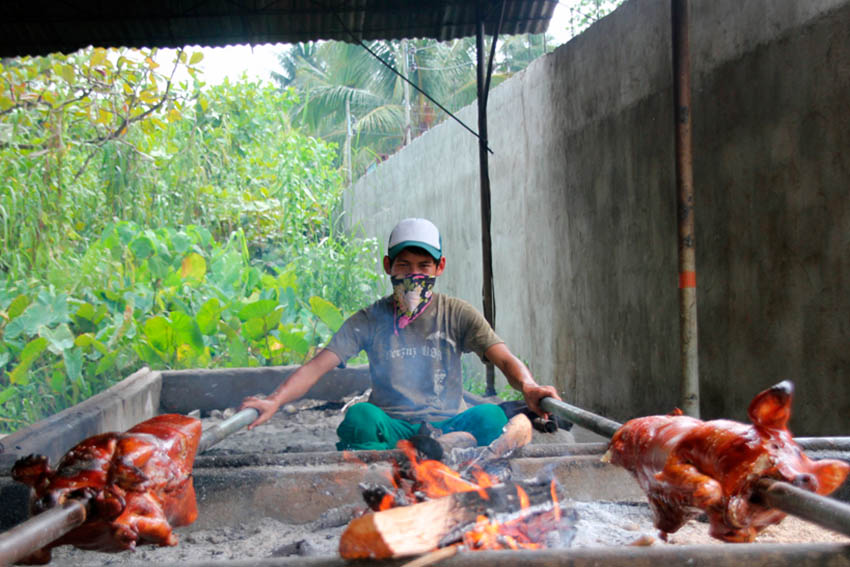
[
  {"x": 148, "y": 222},
  {"x": 160, "y": 307},
  {"x": 122, "y": 142},
  {"x": 475, "y": 381},
  {"x": 66, "y": 124},
  {"x": 583, "y": 13},
  {"x": 478, "y": 387}
]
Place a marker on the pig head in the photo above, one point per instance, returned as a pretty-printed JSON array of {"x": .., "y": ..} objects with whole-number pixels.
[{"x": 685, "y": 465}]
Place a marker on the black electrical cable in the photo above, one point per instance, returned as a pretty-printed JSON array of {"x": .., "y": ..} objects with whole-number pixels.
[{"x": 391, "y": 68}]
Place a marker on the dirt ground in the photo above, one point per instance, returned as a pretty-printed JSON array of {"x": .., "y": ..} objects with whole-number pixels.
[{"x": 310, "y": 425}]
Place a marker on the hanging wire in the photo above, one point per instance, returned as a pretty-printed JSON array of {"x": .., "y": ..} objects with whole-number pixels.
[{"x": 391, "y": 68}]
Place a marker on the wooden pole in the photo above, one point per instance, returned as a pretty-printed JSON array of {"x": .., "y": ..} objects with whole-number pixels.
[{"x": 685, "y": 191}]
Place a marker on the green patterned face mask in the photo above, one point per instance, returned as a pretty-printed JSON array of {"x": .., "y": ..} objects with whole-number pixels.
[{"x": 412, "y": 295}]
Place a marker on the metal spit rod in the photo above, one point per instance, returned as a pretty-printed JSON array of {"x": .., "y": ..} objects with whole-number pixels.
[
  {"x": 30, "y": 536},
  {"x": 607, "y": 427},
  {"x": 825, "y": 512},
  {"x": 227, "y": 427},
  {"x": 581, "y": 417},
  {"x": 38, "y": 531}
]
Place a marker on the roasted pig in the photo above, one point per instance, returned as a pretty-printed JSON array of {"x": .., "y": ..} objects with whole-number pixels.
[
  {"x": 686, "y": 465},
  {"x": 138, "y": 484}
]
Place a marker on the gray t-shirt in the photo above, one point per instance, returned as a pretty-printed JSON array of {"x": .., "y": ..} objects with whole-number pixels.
[{"x": 416, "y": 374}]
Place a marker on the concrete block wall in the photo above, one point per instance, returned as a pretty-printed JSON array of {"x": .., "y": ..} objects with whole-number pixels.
[{"x": 584, "y": 210}]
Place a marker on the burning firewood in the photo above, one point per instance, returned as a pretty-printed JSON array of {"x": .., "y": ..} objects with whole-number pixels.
[
  {"x": 447, "y": 507},
  {"x": 425, "y": 526},
  {"x": 138, "y": 483},
  {"x": 686, "y": 466}
]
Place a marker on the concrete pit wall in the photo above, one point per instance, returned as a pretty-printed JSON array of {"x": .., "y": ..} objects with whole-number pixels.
[{"x": 584, "y": 209}]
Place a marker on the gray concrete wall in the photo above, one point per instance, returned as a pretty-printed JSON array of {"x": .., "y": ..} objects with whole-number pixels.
[{"x": 584, "y": 226}]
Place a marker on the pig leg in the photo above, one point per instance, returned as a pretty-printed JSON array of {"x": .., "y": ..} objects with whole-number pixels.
[
  {"x": 143, "y": 521},
  {"x": 690, "y": 487},
  {"x": 179, "y": 505},
  {"x": 677, "y": 490}
]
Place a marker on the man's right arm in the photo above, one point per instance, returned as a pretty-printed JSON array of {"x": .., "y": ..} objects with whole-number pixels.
[{"x": 295, "y": 386}]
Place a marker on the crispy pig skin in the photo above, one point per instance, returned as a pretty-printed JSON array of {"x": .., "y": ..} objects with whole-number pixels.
[
  {"x": 685, "y": 465},
  {"x": 139, "y": 484}
]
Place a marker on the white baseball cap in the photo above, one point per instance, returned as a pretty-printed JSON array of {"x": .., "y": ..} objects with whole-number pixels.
[{"x": 420, "y": 233}]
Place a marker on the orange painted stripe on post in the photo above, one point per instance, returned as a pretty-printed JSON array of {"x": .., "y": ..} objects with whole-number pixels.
[{"x": 687, "y": 279}]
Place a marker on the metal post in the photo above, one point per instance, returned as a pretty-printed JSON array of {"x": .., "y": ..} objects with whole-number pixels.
[
  {"x": 685, "y": 191},
  {"x": 406, "y": 86},
  {"x": 484, "y": 166}
]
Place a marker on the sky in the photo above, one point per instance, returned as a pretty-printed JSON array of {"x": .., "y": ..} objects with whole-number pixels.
[{"x": 257, "y": 61}]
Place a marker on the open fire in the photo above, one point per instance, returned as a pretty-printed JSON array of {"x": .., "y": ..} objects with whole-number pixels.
[{"x": 431, "y": 505}]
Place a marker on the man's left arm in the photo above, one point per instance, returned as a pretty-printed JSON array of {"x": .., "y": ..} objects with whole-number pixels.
[{"x": 519, "y": 377}]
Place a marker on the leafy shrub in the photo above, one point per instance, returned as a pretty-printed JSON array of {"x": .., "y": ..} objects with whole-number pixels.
[
  {"x": 149, "y": 222},
  {"x": 171, "y": 299}
]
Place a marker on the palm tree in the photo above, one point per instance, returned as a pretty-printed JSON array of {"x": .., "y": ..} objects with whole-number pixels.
[
  {"x": 350, "y": 97},
  {"x": 518, "y": 51},
  {"x": 343, "y": 100}
]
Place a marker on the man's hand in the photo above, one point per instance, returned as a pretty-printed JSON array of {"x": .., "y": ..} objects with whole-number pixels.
[
  {"x": 298, "y": 383},
  {"x": 267, "y": 409},
  {"x": 520, "y": 378},
  {"x": 533, "y": 393}
]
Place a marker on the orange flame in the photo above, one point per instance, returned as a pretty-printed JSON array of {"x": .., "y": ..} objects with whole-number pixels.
[
  {"x": 386, "y": 502},
  {"x": 523, "y": 498},
  {"x": 487, "y": 534},
  {"x": 556, "y": 507},
  {"x": 433, "y": 479}
]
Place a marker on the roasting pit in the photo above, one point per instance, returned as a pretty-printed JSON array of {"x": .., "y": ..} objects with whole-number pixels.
[{"x": 281, "y": 495}]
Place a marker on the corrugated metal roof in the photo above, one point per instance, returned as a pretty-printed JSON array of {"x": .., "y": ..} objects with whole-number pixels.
[{"x": 37, "y": 27}]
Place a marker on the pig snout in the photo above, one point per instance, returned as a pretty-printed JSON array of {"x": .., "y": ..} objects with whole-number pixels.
[{"x": 806, "y": 481}]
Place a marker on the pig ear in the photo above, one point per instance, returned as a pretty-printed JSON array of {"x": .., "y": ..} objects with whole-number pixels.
[
  {"x": 830, "y": 473},
  {"x": 771, "y": 408}
]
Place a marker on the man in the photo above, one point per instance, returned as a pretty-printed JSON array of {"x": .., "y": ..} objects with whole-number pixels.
[{"x": 414, "y": 339}]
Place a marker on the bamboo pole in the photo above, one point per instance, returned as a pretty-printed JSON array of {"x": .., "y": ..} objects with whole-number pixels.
[{"x": 685, "y": 193}]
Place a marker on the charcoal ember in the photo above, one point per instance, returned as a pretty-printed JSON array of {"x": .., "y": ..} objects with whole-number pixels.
[
  {"x": 338, "y": 516},
  {"x": 380, "y": 497},
  {"x": 403, "y": 471},
  {"x": 499, "y": 470},
  {"x": 564, "y": 532},
  {"x": 427, "y": 447}
]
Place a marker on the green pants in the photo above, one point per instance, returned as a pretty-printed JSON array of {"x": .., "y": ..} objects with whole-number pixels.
[{"x": 366, "y": 426}]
